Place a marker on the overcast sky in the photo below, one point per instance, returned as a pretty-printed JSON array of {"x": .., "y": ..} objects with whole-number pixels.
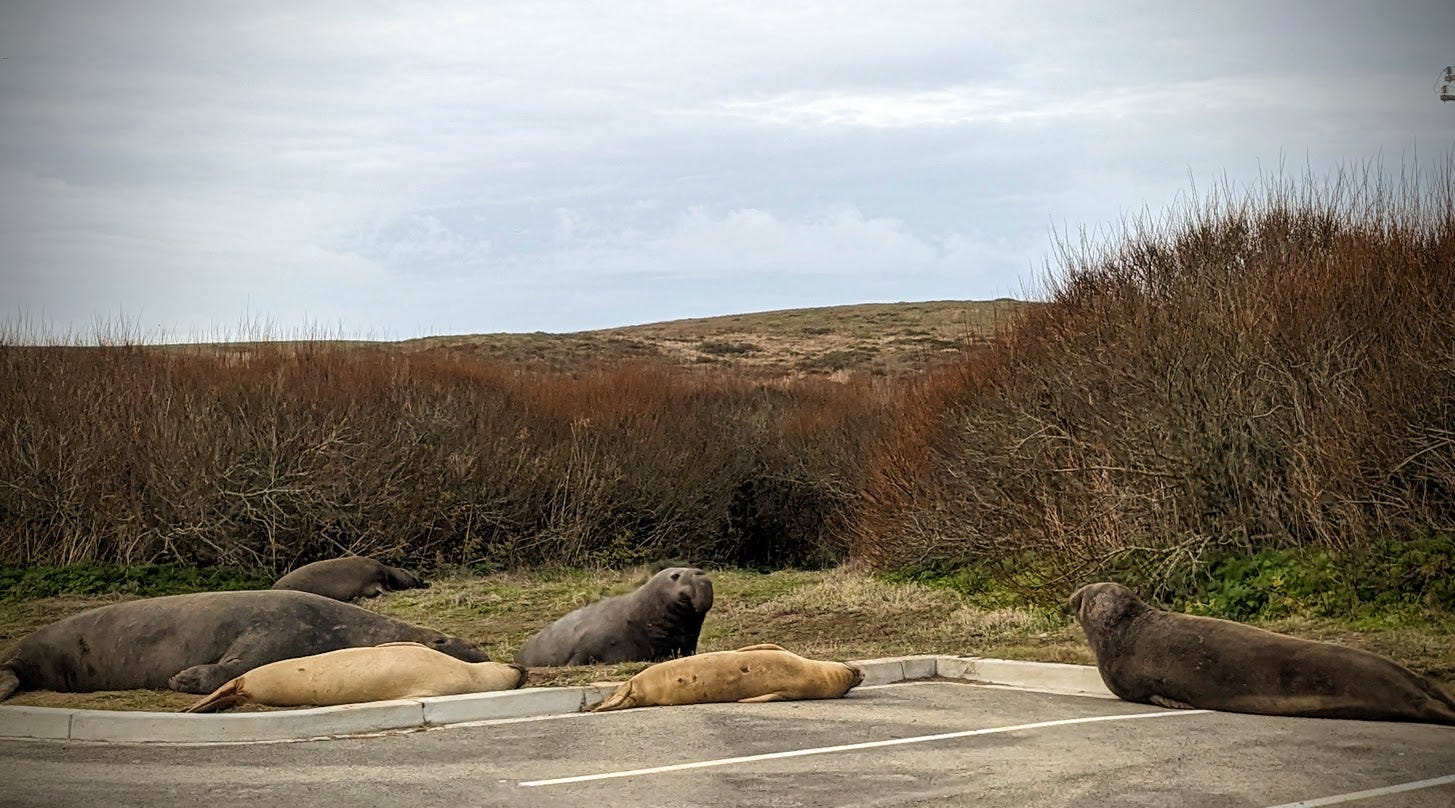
[{"x": 391, "y": 170}]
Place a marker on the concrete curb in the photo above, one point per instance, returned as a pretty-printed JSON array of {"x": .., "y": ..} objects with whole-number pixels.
[
  {"x": 1079, "y": 680},
  {"x": 128, "y": 727}
]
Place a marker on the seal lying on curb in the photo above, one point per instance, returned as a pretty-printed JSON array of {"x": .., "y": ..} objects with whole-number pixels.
[
  {"x": 660, "y": 620},
  {"x": 395, "y": 670},
  {"x": 1178, "y": 660},
  {"x": 349, "y": 578},
  {"x": 754, "y": 674},
  {"x": 194, "y": 643}
]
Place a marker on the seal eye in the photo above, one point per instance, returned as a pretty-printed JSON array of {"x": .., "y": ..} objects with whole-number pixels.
[{"x": 676, "y": 575}]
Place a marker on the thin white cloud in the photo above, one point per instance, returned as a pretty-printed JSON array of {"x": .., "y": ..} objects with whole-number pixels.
[{"x": 959, "y": 104}]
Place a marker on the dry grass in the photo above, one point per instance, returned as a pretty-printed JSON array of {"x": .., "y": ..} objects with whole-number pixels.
[{"x": 838, "y": 614}]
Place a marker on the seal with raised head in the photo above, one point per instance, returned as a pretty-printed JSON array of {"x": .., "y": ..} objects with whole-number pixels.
[
  {"x": 756, "y": 673},
  {"x": 349, "y": 578},
  {"x": 194, "y": 643},
  {"x": 1184, "y": 661},
  {"x": 660, "y": 620},
  {"x": 395, "y": 670}
]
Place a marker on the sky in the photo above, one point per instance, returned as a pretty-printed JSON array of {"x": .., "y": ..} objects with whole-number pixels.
[{"x": 391, "y": 170}]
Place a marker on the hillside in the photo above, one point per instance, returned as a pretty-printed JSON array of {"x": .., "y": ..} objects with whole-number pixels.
[{"x": 877, "y": 338}]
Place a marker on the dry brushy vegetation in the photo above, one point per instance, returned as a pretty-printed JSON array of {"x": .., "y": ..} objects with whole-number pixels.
[
  {"x": 1270, "y": 370},
  {"x": 130, "y": 455},
  {"x": 1267, "y": 370}
]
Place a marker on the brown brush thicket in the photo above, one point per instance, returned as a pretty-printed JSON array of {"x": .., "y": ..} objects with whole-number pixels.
[
  {"x": 1268, "y": 370},
  {"x": 275, "y": 455}
]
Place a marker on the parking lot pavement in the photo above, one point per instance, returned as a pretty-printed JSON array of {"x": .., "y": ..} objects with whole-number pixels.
[{"x": 931, "y": 743}]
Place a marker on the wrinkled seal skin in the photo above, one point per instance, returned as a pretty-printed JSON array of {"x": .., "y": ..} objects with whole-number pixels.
[
  {"x": 757, "y": 673},
  {"x": 660, "y": 620},
  {"x": 398, "y": 670},
  {"x": 194, "y": 643},
  {"x": 1178, "y": 660},
  {"x": 348, "y": 578}
]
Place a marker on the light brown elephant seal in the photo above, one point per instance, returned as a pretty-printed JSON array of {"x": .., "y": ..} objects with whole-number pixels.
[
  {"x": 348, "y": 578},
  {"x": 660, "y": 620},
  {"x": 756, "y": 673},
  {"x": 194, "y": 643},
  {"x": 1178, "y": 660},
  {"x": 396, "y": 670}
]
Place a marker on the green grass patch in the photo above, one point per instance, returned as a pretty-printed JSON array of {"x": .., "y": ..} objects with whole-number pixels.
[
  {"x": 1392, "y": 583},
  {"x": 150, "y": 580}
]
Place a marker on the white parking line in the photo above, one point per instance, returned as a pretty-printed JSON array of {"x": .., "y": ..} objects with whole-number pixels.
[
  {"x": 823, "y": 750},
  {"x": 1373, "y": 792}
]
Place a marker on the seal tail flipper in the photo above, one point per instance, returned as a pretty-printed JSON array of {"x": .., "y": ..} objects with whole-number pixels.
[
  {"x": 1441, "y": 704},
  {"x": 767, "y": 646},
  {"x": 622, "y": 699},
  {"x": 763, "y": 699},
  {"x": 1171, "y": 704},
  {"x": 228, "y": 696},
  {"x": 9, "y": 682}
]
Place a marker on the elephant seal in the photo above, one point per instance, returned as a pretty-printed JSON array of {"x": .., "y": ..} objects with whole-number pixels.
[
  {"x": 349, "y": 578},
  {"x": 395, "y": 670},
  {"x": 757, "y": 673},
  {"x": 194, "y": 643},
  {"x": 1179, "y": 660},
  {"x": 660, "y": 620}
]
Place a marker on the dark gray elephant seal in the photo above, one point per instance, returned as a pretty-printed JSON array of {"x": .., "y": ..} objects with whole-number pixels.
[
  {"x": 194, "y": 643},
  {"x": 349, "y": 578},
  {"x": 1179, "y": 660},
  {"x": 658, "y": 621}
]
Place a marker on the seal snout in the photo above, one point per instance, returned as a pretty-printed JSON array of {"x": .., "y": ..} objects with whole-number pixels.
[
  {"x": 701, "y": 592},
  {"x": 1073, "y": 604},
  {"x": 460, "y": 649}
]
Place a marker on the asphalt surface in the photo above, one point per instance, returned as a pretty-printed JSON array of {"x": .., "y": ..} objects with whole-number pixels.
[{"x": 951, "y": 744}]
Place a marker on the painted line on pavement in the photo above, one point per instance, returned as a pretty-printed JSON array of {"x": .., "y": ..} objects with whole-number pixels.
[
  {"x": 823, "y": 750},
  {"x": 1373, "y": 792}
]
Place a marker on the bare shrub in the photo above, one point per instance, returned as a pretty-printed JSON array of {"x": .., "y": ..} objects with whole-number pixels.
[
  {"x": 1266, "y": 370},
  {"x": 276, "y": 454}
]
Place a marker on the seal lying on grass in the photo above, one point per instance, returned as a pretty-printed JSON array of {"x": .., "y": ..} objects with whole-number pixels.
[
  {"x": 1178, "y": 660},
  {"x": 349, "y": 578},
  {"x": 660, "y": 620},
  {"x": 194, "y": 643},
  {"x": 396, "y": 670},
  {"x": 756, "y": 673}
]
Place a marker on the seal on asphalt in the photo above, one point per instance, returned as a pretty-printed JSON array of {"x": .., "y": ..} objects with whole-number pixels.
[
  {"x": 194, "y": 643},
  {"x": 660, "y": 620},
  {"x": 756, "y": 673},
  {"x": 1179, "y": 660},
  {"x": 349, "y": 578},
  {"x": 396, "y": 670}
]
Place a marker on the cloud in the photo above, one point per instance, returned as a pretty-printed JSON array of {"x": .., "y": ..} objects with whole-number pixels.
[{"x": 565, "y": 165}]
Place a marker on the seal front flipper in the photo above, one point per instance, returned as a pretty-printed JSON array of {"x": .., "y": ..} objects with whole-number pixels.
[
  {"x": 9, "y": 682},
  {"x": 1171, "y": 704},
  {"x": 767, "y": 646},
  {"x": 763, "y": 699},
  {"x": 207, "y": 678}
]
